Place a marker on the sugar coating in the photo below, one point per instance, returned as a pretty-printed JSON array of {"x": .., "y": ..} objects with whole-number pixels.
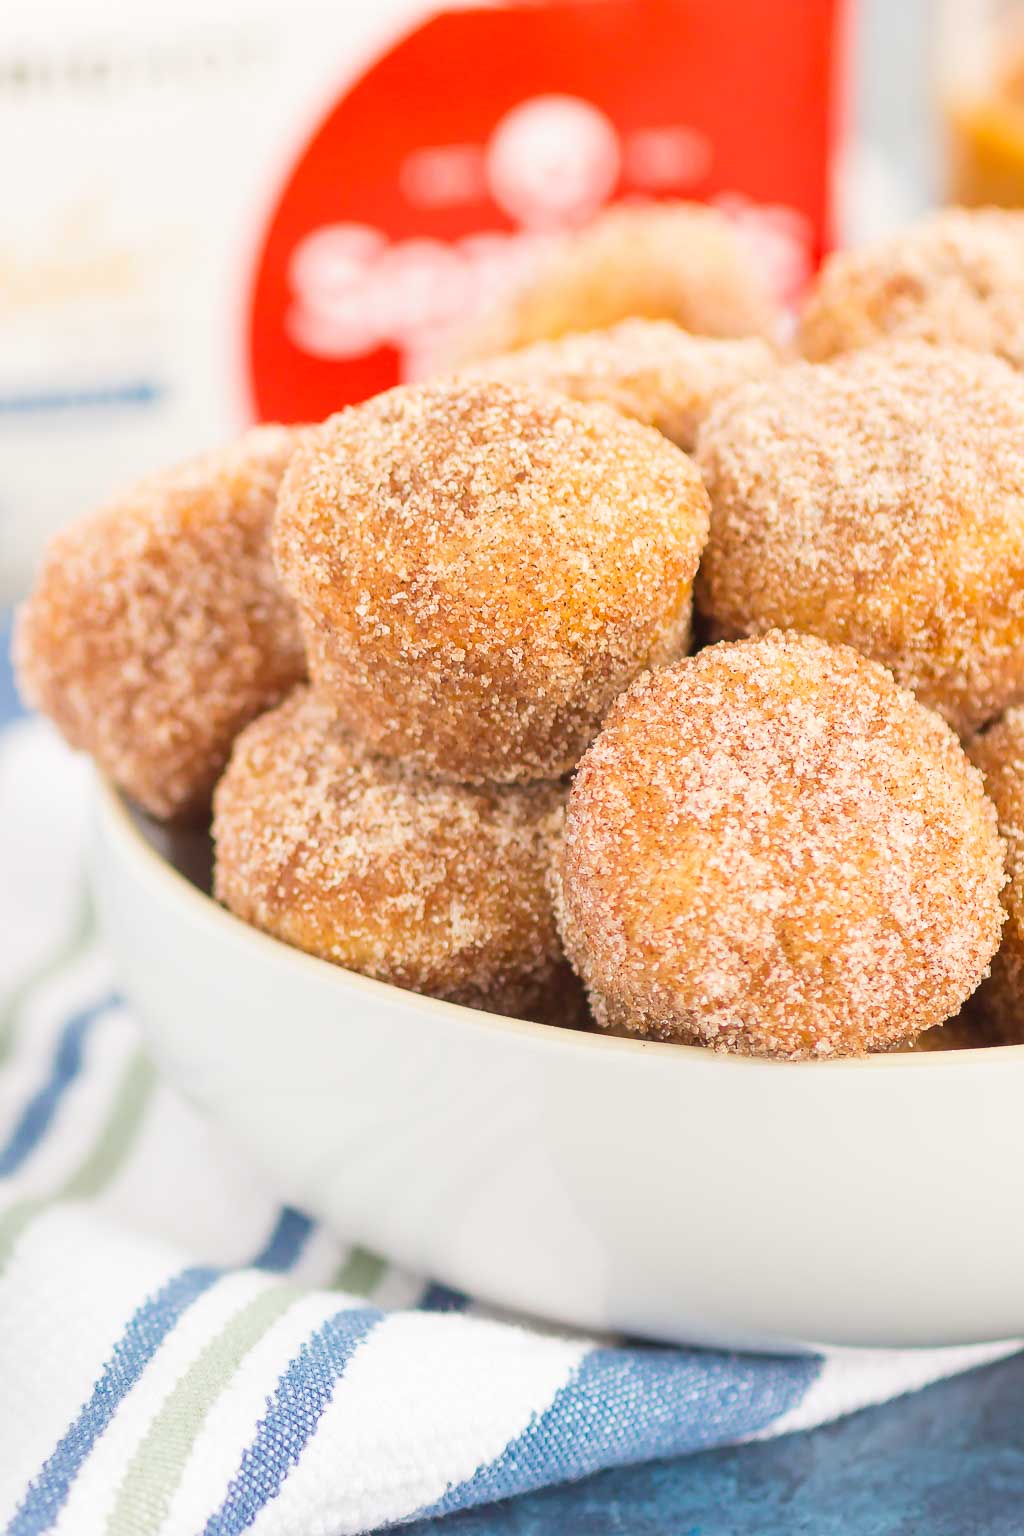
[
  {"x": 436, "y": 887},
  {"x": 955, "y": 277},
  {"x": 648, "y": 369},
  {"x": 662, "y": 261},
  {"x": 482, "y": 568},
  {"x": 773, "y": 849},
  {"x": 157, "y": 629},
  {"x": 878, "y": 501},
  {"x": 999, "y": 753}
]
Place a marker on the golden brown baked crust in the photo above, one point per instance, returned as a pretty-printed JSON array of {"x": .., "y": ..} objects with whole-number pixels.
[
  {"x": 441, "y": 888},
  {"x": 658, "y": 260},
  {"x": 999, "y": 753},
  {"x": 878, "y": 502},
  {"x": 156, "y": 628},
  {"x": 955, "y": 278},
  {"x": 650, "y": 370},
  {"x": 773, "y": 849},
  {"x": 482, "y": 568}
]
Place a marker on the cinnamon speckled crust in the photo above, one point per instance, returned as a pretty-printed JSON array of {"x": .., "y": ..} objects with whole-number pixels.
[
  {"x": 999, "y": 753},
  {"x": 878, "y": 501},
  {"x": 157, "y": 629},
  {"x": 648, "y": 369},
  {"x": 481, "y": 569},
  {"x": 439, "y": 888},
  {"x": 661, "y": 261},
  {"x": 773, "y": 849},
  {"x": 955, "y": 277}
]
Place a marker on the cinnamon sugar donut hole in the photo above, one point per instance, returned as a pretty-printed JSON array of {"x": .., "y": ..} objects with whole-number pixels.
[
  {"x": 878, "y": 501},
  {"x": 999, "y": 753},
  {"x": 659, "y": 260},
  {"x": 773, "y": 849},
  {"x": 481, "y": 569},
  {"x": 439, "y": 888},
  {"x": 648, "y": 369},
  {"x": 157, "y": 629},
  {"x": 954, "y": 278}
]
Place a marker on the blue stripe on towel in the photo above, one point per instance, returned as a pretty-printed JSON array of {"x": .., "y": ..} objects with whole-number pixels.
[
  {"x": 626, "y": 1405},
  {"x": 149, "y": 1326},
  {"x": 441, "y": 1298},
  {"x": 303, "y": 1392},
  {"x": 38, "y": 1114},
  {"x": 286, "y": 1241},
  {"x": 147, "y": 1329}
]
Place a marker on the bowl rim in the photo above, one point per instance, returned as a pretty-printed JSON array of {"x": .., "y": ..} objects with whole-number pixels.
[{"x": 117, "y": 814}]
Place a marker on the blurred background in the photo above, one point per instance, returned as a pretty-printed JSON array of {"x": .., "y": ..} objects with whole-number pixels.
[{"x": 222, "y": 210}]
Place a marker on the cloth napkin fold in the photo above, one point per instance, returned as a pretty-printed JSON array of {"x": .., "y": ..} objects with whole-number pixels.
[{"x": 180, "y": 1355}]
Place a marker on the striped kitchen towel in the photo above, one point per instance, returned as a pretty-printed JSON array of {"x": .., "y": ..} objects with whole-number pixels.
[{"x": 178, "y": 1355}]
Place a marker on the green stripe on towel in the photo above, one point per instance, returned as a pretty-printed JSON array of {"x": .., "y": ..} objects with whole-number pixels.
[
  {"x": 156, "y": 1469},
  {"x": 358, "y": 1273},
  {"x": 103, "y": 1158}
]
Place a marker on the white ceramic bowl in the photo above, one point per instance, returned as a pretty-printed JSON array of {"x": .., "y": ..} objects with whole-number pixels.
[{"x": 656, "y": 1189}]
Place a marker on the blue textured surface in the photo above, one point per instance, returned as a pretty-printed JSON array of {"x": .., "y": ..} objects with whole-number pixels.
[
  {"x": 627, "y": 1404},
  {"x": 948, "y": 1461}
]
